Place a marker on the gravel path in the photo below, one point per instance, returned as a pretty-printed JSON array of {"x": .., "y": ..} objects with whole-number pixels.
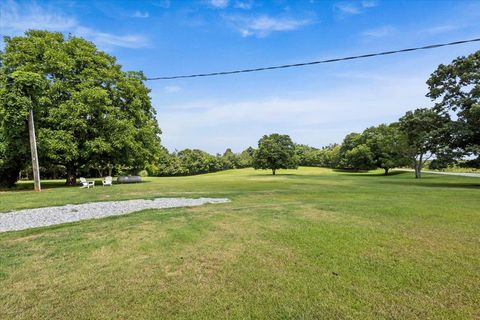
[{"x": 40, "y": 217}]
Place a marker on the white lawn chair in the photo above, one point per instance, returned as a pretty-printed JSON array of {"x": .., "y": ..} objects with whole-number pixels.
[
  {"x": 86, "y": 184},
  {"x": 107, "y": 181}
]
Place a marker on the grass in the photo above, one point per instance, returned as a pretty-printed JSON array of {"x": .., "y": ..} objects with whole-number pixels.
[{"x": 304, "y": 244}]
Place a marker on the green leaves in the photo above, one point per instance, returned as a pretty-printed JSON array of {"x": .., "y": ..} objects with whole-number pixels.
[
  {"x": 456, "y": 87},
  {"x": 87, "y": 110},
  {"x": 275, "y": 152}
]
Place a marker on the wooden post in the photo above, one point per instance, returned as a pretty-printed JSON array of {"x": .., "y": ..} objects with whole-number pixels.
[{"x": 33, "y": 150}]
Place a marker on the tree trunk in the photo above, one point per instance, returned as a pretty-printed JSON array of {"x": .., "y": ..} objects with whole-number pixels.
[
  {"x": 273, "y": 171},
  {"x": 386, "y": 170},
  {"x": 418, "y": 170},
  {"x": 71, "y": 176},
  {"x": 110, "y": 168}
]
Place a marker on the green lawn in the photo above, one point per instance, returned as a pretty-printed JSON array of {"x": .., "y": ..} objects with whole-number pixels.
[{"x": 306, "y": 244}]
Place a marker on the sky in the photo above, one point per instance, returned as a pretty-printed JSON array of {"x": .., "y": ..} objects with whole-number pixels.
[{"x": 315, "y": 105}]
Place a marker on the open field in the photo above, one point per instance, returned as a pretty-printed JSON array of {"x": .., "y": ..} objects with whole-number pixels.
[{"x": 306, "y": 244}]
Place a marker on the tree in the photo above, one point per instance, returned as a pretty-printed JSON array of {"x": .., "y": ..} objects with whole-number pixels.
[
  {"x": 355, "y": 154},
  {"x": 388, "y": 146},
  {"x": 307, "y": 156},
  {"x": 18, "y": 91},
  {"x": 359, "y": 157},
  {"x": 426, "y": 133},
  {"x": 89, "y": 111},
  {"x": 230, "y": 160},
  {"x": 275, "y": 152},
  {"x": 456, "y": 88},
  {"x": 330, "y": 156},
  {"x": 198, "y": 161},
  {"x": 245, "y": 158}
]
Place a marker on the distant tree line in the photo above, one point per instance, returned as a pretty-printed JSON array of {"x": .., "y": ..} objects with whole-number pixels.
[{"x": 194, "y": 161}]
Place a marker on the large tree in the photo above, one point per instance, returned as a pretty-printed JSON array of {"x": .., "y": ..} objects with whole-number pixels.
[
  {"x": 456, "y": 88},
  {"x": 275, "y": 151},
  {"x": 427, "y": 134},
  {"x": 388, "y": 146},
  {"x": 354, "y": 154},
  {"x": 88, "y": 112}
]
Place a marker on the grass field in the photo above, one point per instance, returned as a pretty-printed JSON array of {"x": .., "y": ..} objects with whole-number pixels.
[{"x": 306, "y": 244}]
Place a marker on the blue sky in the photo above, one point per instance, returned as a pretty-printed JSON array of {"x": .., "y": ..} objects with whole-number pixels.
[{"x": 315, "y": 105}]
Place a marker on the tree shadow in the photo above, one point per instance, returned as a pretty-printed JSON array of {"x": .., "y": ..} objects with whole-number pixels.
[
  {"x": 276, "y": 175},
  {"x": 49, "y": 184},
  {"x": 432, "y": 183},
  {"x": 370, "y": 174}
]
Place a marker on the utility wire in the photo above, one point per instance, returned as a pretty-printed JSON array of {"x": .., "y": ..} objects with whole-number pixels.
[{"x": 222, "y": 73}]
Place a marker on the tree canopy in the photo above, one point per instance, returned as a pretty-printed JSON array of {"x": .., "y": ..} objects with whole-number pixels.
[
  {"x": 426, "y": 133},
  {"x": 275, "y": 151},
  {"x": 87, "y": 110},
  {"x": 456, "y": 88}
]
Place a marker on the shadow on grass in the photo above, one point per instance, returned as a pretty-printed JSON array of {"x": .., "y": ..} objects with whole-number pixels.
[
  {"x": 49, "y": 184},
  {"x": 371, "y": 174},
  {"x": 432, "y": 184}
]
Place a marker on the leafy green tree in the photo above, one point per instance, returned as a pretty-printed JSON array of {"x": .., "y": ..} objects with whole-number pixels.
[
  {"x": 245, "y": 158},
  {"x": 355, "y": 154},
  {"x": 426, "y": 133},
  {"x": 456, "y": 88},
  {"x": 89, "y": 111},
  {"x": 275, "y": 152},
  {"x": 359, "y": 157},
  {"x": 308, "y": 156},
  {"x": 198, "y": 161},
  {"x": 230, "y": 160},
  {"x": 19, "y": 94},
  {"x": 388, "y": 146},
  {"x": 329, "y": 156}
]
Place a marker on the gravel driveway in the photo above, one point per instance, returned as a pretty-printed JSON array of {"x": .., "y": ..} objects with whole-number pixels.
[{"x": 40, "y": 217}]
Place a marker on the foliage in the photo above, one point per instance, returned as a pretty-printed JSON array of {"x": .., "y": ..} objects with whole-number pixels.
[
  {"x": 330, "y": 156},
  {"x": 456, "y": 88},
  {"x": 388, "y": 146},
  {"x": 354, "y": 154},
  {"x": 194, "y": 161},
  {"x": 88, "y": 113},
  {"x": 308, "y": 156},
  {"x": 426, "y": 133},
  {"x": 275, "y": 151},
  {"x": 245, "y": 159},
  {"x": 358, "y": 158},
  {"x": 19, "y": 92}
]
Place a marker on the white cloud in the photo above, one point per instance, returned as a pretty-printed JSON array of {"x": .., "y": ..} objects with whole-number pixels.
[
  {"x": 16, "y": 19},
  {"x": 262, "y": 26},
  {"x": 379, "y": 32},
  {"x": 352, "y": 8},
  {"x": 172, "y": 89},
  {"x": 441, "y": 29},
  {"x": 246, "y": 5},
  {"x": 140, "y": 14},
  {"x": 369, "y": 3},
  {"x": 347, "y": 8},
  {"x": 221, "y": 4},
  {"x": 162, "y": 3}
]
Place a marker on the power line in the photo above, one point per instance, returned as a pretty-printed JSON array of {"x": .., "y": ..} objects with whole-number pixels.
[{"x": 369, "y": 55}]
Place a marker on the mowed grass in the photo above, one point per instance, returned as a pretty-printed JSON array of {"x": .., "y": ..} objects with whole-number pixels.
[{"x": 306, "y": 244}]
